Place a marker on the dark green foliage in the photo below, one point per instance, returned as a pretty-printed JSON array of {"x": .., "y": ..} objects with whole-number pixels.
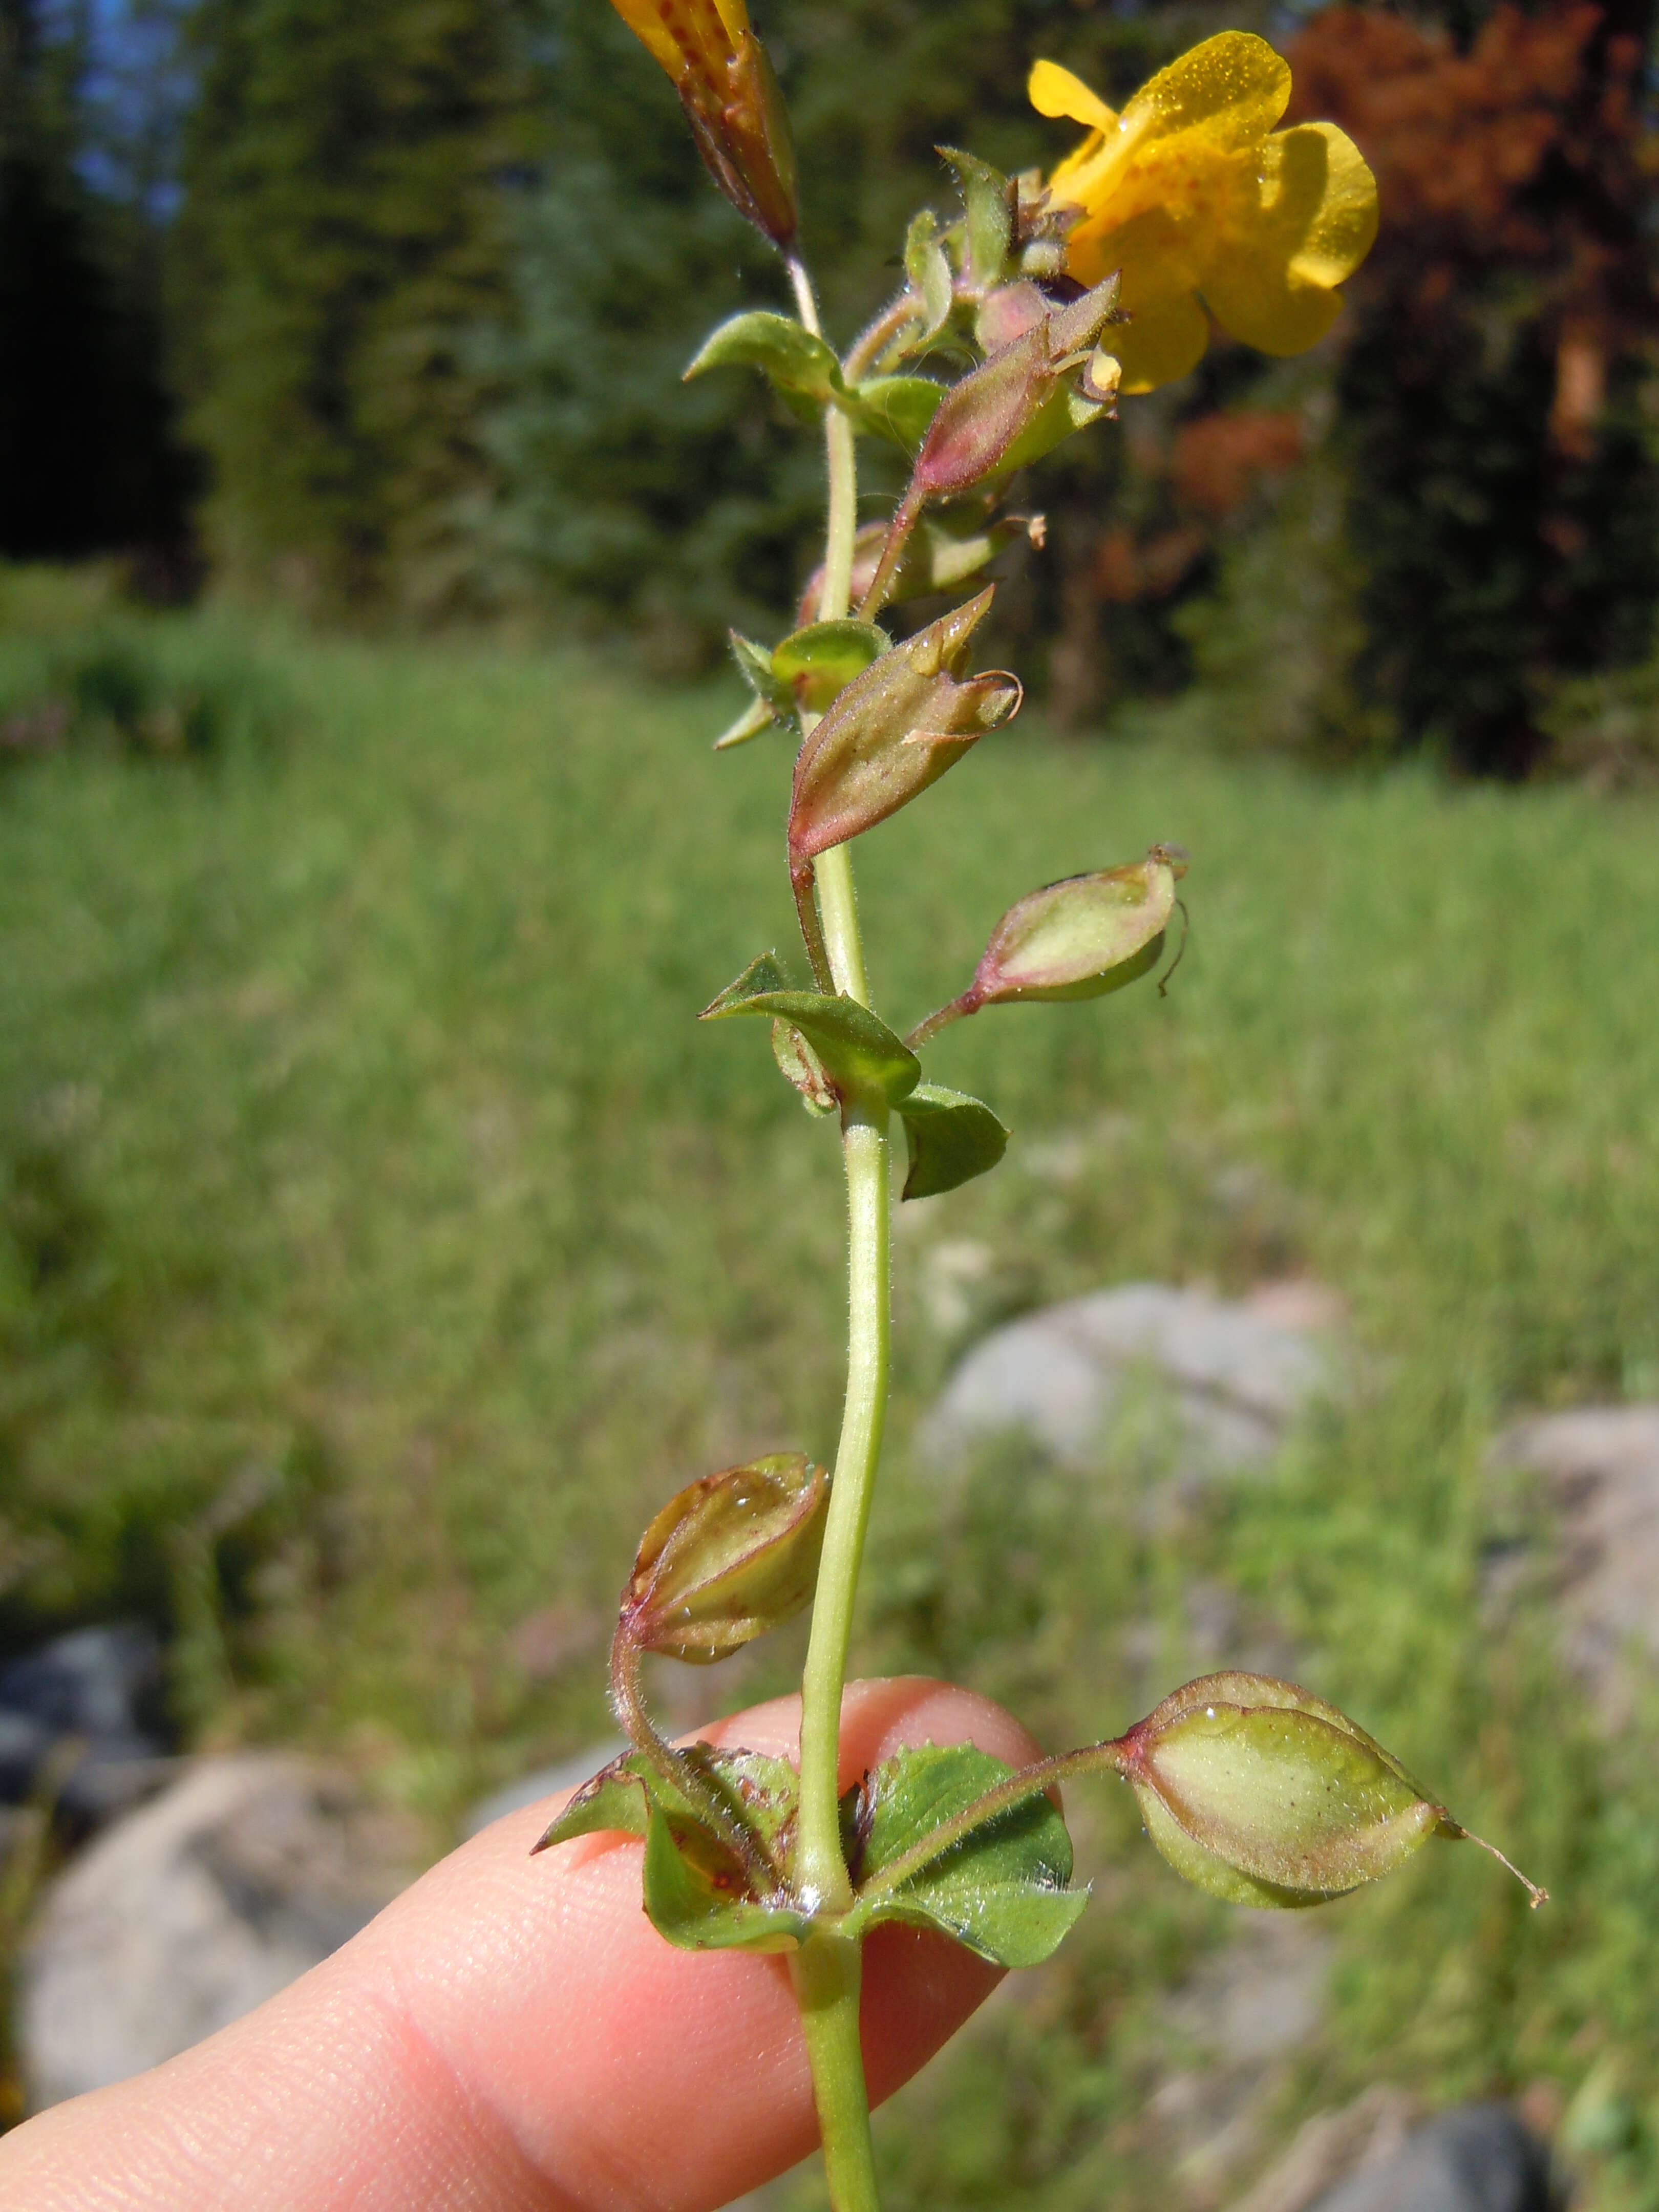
[
  {"x": 341, "y": 240},
  {"x": 88, "y": 457},
  {"x": 1492, "y": 560},
  {"x": 111, "y": 684}
]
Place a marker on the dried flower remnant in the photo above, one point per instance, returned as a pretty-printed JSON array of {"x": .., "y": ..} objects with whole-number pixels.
[{"x": 730, "y": 98}]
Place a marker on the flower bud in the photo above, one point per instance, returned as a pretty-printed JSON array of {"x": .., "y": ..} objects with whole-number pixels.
[
  {"x": 1081, "y": 937},
  {"x": 893, "y": 731},
  {"x": 732, "y": 101},
  {"x": 730, "y": 1557},
  {"x": 1263, "y": 1794},
  {"x": 980, "y": 421}
]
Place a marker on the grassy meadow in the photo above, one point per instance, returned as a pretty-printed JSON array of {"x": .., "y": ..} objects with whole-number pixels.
[{"x": 381, "y": 1240}]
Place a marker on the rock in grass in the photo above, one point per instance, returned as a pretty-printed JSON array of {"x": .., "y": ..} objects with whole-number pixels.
[
  {"x": 1598, "y": 1470},
  {"x": 1478, "y": 2158},
  {"x": 186, "y": 1914},
  {"x": 101, "y": 1686},
  {"x": 1235, "y": 1374}
]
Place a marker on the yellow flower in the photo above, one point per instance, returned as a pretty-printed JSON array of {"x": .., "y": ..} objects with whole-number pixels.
[
  {"x": 726, "y": 85},
  {"x": 704, "y": 35},
  {"x": 1192, "y": 193}
]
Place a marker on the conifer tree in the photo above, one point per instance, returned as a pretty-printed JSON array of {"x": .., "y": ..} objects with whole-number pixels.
[
  {"x": 87, "y": 460},
  {"x": 340, "y": 243}
]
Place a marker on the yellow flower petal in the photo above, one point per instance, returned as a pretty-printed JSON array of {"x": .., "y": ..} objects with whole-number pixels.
[
  {"x": 644, "y": 18},
  {"x": 1272, "y": 281},
  {"x": 735, "y": 16},
  {"x": 1054, "y": 91},
  {"x": 1159, "y": 342},
  {"x": 1231, "y": 91},
  {"x": 1339, "y": 227},
  {"x": 1251, "y": 295}
]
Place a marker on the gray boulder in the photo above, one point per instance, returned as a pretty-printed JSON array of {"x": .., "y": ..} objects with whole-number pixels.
[
  {"x": 1478, "y": 2158},
  {"x": 1235, "y": 1374},
  {"x": 99, "y": 1687},
  {"x": 1598, "y": 1471},
  {"x": 184, "y": 1915}
]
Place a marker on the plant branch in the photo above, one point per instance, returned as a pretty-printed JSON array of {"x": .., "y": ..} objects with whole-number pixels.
[
  {"x": 905, "y": 518},
  {"x": 1005, "y": 1796},
  {"x": 680, "y": 1771},
  {"x": 925, "y": 1031},
  {"x": 874, "y": 339}
]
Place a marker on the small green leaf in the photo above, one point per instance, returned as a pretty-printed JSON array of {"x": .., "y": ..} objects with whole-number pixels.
[
  {"x": 1002, "y": 1891},
  {"x": 613, "y": 1804},
  {"x": 801, "y": 368},
  {"x": 754, "y": 665},
  {"x": 761, "y": 976},
  {"x": 896, "y": 407},
  {"x": 814, "y": 665},
  {"x": 858, "y": 1051},
  {"x": 928, "y": 271},
  {"x": 987, "y": 200},
  {"x": 951, "y": 1139},
  {"x": 697, "y": 1897},
  {"x": 756, "y": 716},
  {"x": 757, "y": 1791}
]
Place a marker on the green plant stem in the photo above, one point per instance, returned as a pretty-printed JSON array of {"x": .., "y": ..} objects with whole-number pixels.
[
  {"x": 1003, "y": 1797},
  {"x": 679, "y": 1772},
  {"x": 827, "y": 1972},
  {"x": 821, "y": 1870},
  {"x": 827, "y": 1966}
]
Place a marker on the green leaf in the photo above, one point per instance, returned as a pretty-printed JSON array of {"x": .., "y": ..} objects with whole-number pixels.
[
  {"x": 696, "y": 1896},
  {"x": 758, "y": 1791},
  {"x": 858, "y": 1051},
  {"x": 896, "y": 407},
  {"x": 801, "y": 368},
  {"x": 951, "y": 1139},
  {"x": 928, "y": 271},
  {"x": 987, "y": 202},
  {"x": 814, "y": 665},
  {"x": 760, "y": 975},
  {"x": 1002, "y": 1891},
  {"x": 614, "y": 1802},
  {"x": 754, "y": 665},
  {"x": 756, "y": 716}
]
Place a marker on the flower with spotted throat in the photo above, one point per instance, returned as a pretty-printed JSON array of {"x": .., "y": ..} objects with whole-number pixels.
[
  {"x": 1193, "y": 194},
  {"x": 730, "y": 98}
]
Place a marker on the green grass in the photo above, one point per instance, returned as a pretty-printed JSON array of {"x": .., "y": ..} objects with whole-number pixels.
[{"x": 383, "y": 1241}]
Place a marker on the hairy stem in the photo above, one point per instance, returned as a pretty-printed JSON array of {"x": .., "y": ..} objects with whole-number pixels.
[
  {"x": 868, "y": 348},
  {"x": 898, "y": 535},
  {"x": 826, "y": 1972},
  {"x": 680, "y": 1771},
  {"x": 827, "y": 1967},
  {"x": 821, "y": 1870},
  {"x": 1003, "y": 1797},
  {"x": 941, "y": 1018}
]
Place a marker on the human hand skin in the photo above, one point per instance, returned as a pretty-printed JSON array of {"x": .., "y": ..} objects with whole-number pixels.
[{"x": 512, "y": 2035}]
